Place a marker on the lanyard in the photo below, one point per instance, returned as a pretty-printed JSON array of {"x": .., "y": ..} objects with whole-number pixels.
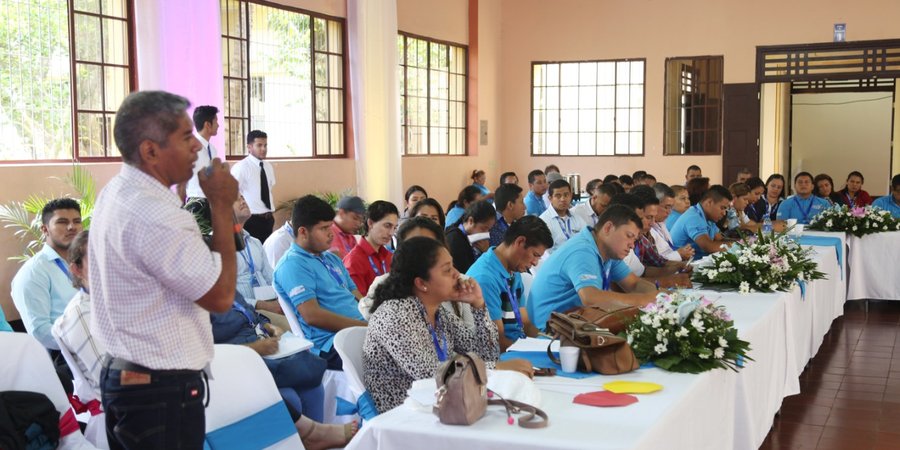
[
  {"x": 63, "y": 267},
  {"x": 604, "y": 273},
  {"x": 753, "y": 207},
  {"x": 347, "y": 248},
  {"x": 441, "y": 352},
  {"x": 514, "y": 301},
  {"x": 375, "y": 269},
  {"x": 807, "y": 210},
  {"x": 565, "y": 225},
  {"x": 248, "y": 256},
  {"x": 336, "y": 274},
  {"x": 850, "y": 202},
  {"x": 240, "y": 308},
  {"x": 667, "y": 238},
  {"x": 290, "y": 231}
]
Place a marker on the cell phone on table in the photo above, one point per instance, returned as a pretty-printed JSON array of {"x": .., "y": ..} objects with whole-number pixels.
[{"x": 544, "y": 372}]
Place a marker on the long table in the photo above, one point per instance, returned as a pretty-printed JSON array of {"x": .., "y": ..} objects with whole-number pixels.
[
  {"x": 873, "y": 267},
  {"x": 713, "y": 410}
]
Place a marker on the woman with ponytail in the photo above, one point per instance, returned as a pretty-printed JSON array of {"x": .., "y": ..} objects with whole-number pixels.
[{"x": 410, "y": 335}]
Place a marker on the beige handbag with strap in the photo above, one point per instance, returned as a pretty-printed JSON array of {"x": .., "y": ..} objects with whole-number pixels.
[{"x": 462, "y": 395}]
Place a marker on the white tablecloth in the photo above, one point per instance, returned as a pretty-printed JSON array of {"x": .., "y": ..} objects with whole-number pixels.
[
  {"x": 874, "y": 272},
  {"x": 736, "y": 410}
]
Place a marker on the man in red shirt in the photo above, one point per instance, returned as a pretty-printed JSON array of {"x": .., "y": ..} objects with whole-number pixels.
[{"x": 351, "y": 212}]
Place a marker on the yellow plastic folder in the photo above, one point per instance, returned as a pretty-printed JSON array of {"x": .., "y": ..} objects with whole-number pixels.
[{"x": 632, "y": 387}]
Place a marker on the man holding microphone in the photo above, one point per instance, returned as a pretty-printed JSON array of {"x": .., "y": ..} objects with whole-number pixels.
[{"x": 153, "y": 279}]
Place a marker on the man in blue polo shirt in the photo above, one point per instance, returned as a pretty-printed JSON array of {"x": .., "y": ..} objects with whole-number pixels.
[
  {"x": 697, "y": 226},
  {"x": 891, "y": 202},
  {"x": 581, "y": 271},
  {"x": 315, "y": 281},
  {"x": 537, "y": 187},
  {"x": 508, "y": 200},
  {"x": 498, "y": 273},
  {"x": 803, "y": 205}
]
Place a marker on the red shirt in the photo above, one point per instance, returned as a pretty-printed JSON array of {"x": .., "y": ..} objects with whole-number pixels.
[
  {"x": 342, "y": 243},
  {"x": 862, "y": 198},
  {"x": 364, "y": 264}
]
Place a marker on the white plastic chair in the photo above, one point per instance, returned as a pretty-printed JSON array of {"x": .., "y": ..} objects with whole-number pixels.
[
  {"x": 291, "y": 314},
  {"x": 27, "y": 367},
  {"x": 349, "y": 344},
  {"x": 245, "y": 409}
]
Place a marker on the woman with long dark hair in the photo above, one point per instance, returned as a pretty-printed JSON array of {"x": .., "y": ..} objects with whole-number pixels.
[
  {"x": 853, "y": 194},
  {"x": 413, "y": 195},
  {"x": 464, "y": 246},
  {"x": 410, "y": 335},
  {"x": 823, "y": 187},
  {"x": 769, "y": 202},
  {"x": 455, "y": 210},
  {"x": 429, "y": 208}
]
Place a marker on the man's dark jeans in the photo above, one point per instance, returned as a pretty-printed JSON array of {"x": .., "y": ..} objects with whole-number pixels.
[{"x": 167, "y": 413}]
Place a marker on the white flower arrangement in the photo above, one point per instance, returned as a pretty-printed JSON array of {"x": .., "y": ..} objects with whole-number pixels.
[{"x": 858, "y": 221}]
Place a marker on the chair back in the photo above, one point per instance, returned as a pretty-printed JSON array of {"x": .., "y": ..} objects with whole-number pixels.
[
  {"x": 349, "y": 344},
  {"x": 291, "y": 314}
]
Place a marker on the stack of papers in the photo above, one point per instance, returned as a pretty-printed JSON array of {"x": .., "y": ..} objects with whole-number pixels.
[
  {"x": 533, "y": 345},
  {"x": 289, "y": 345}
]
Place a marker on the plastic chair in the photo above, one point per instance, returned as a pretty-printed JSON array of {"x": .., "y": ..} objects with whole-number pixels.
[
  {"x": 27, "y": 367},
  {"x": 349, "y": 344},
  {"x": 95, "y": 432},
  {"x": 291, "y": 314},
  {"x": 245, "y": 408}
]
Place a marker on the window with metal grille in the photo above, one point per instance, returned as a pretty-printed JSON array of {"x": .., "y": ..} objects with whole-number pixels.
[
  {"x": 693, "y": 105},
  {"x": 283, "y": 74},
  {"x": 432, "y": 96},
  {"x": 587, "y": 108},
  {"x": 64, "y": 69}
]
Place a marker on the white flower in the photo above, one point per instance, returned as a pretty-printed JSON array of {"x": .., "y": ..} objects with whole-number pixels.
[
  {"x": 645, "y": 319},
  {"x": 723, "y": 342},
  {"x": 703, "y": 356},
  {"x": 659, "y": 349},
  {"x": 682, "y": 332},
  {"x": 801, "y": 276},
  {"x": 828, "y": 224},
  {"x": 712, "y": 274},
  {"x": 630, "y": 339},
  {"x": 773, "y": 286},
  {"x": 745, "y": 287},
  {"x": 854, "y": 228},
  {"x": 885, "y": 228},
  {"x": 719, "y": 353},
  {"x": 698, "y": 325}
]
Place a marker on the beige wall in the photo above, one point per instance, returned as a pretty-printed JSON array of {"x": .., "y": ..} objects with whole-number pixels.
[{"x": 539, "y": 30}]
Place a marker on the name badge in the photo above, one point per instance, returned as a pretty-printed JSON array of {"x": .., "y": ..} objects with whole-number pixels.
[{"x": 264, "y": 292}]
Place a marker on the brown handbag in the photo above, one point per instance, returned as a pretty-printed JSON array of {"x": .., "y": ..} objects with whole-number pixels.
[
  {"x": 613, "y": 316},
  {"x": 601, "y": 351},
  {"x": 462, "y": 395}
]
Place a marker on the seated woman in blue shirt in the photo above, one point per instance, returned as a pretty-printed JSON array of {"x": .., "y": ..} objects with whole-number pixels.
[
  {"x": 468, "y": 195},
  {"x": 410, "y": 335},
  {"x": 803, "y": 205},
  {"x": 478, "y": 179},
  {"x": 698, "y": 226},
  {"x": 891, "y": 202}
]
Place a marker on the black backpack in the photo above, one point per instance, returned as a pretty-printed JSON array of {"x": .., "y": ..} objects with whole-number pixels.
[{"x": 28, "y": 420}]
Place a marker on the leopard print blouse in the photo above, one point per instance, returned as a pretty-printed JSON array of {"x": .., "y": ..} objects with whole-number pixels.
[{"x": 399, "y": 348}]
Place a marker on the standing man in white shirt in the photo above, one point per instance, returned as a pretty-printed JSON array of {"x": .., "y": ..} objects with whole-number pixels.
[
  {"x": 206, "y": 124},
  {"x": 153, "y": 279},
  {"x": 256, "y": 177}
]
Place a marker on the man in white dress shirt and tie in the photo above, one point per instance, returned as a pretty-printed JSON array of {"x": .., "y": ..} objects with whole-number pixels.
[
  {"x": 206, "y": 125},
  {"x": 255, "y": 178}
]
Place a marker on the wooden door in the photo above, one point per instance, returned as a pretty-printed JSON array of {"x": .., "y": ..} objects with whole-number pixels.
[{"x": 740, "y": 148}]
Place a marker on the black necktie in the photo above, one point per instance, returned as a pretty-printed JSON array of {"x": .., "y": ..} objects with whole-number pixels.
[{"x": 264, "y": 186}]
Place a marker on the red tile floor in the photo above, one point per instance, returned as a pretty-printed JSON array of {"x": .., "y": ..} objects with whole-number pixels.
[{"x": 850, "y": 392}]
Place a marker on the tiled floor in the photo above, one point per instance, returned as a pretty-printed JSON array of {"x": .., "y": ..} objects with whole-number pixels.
[{"x": 850, "y": 392}]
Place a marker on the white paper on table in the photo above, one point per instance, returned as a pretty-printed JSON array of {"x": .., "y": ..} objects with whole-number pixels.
[
  {"x": 532, "y": 345},
  {"x": 289, "y": 345},
  {"x": 421, "y": 393}
]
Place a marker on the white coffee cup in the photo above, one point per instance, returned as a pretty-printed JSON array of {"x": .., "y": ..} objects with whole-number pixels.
[
  {"x": 791, "y": 222},
  {"x": 568, "y": 356}
]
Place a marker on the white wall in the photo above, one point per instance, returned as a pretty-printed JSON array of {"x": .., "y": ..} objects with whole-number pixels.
[{"x": 836, "y": 133}]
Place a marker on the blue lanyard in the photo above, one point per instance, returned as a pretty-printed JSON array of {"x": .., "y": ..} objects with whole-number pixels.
[
  {"x": 667, "y": 238},
  {"x": 514, "y": 301},
  {"x": 375, "y": 269},
  {"x": 604, "y": 273},
  {"x": 240, "y": 308},
  {"x": 438, "y": 349},
  {"x": 753, "y": 207},
  {"x": 850, "y": 202},
  {"x": 254, "y": 280},
  {"x": 290, "y": 231},
  {"x": 808, "y": 208},
  {"x": 565, "y": 225},
  {"x": 335, "y": 273},
  {"x": 62, "y": 266}
]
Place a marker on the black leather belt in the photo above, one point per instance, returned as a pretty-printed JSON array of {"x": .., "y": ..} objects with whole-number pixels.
[{"x": 113, "y": 363}]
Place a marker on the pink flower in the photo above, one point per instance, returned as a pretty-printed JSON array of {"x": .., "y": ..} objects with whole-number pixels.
[{"x": 858, "y": 212}]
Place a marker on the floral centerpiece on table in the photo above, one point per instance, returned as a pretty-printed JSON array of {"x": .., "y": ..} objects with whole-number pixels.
[
  {"x": 858, "y": 221},
  {"x": 763, "y": 263},
  {"x": 686, "y": 332}
]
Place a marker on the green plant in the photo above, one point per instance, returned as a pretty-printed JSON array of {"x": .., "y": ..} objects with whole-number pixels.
[
  {"x": 24, "y": 217},
  {"x": 331, "y": 197}
]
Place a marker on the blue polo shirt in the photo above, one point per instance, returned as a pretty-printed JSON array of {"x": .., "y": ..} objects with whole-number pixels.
[
  {"x": 301, "y": 276},
  {"x": 496, "y": 286},
  {"x": 574, "y": 265},
  {"x": 453, "y": 216},
  {"x": 534, "y": 205},
  {"x": 673, "y": 217},
  {"x": 691, "y": 225},
  {"x": 887, "y": 203},
  {"x": 803, "y": 210}
]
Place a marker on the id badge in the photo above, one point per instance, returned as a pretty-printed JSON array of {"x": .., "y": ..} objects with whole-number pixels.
[
  {"x": 261, "y": 332},
  {"x": 264, "y": 292}
]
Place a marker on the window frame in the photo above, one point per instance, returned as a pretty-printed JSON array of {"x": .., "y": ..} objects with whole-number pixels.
[
  {"x": 720, "y": 126},
  {"x": 346, "y": 101},
  {"x": 614, "y": 155},
  {"x": 404, "y": 98}
]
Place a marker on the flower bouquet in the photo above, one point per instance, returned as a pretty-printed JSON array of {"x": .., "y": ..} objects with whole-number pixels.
[
  {"x": 857, "y": 221},
  {"x": 686, "y": 332},
  {"x": 764, "y": 263}
]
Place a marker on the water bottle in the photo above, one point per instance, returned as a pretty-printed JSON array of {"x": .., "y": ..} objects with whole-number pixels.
[{"x": 767, "y": 225}]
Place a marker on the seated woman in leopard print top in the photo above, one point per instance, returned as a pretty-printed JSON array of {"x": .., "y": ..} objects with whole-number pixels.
[{"x": 410, "y": 335}]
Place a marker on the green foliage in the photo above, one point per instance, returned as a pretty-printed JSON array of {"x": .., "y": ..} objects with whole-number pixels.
[{"x": 24, "y": 217}]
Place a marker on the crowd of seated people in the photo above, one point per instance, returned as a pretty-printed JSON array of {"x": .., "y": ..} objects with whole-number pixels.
[{"x": 428, "y": 285}]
